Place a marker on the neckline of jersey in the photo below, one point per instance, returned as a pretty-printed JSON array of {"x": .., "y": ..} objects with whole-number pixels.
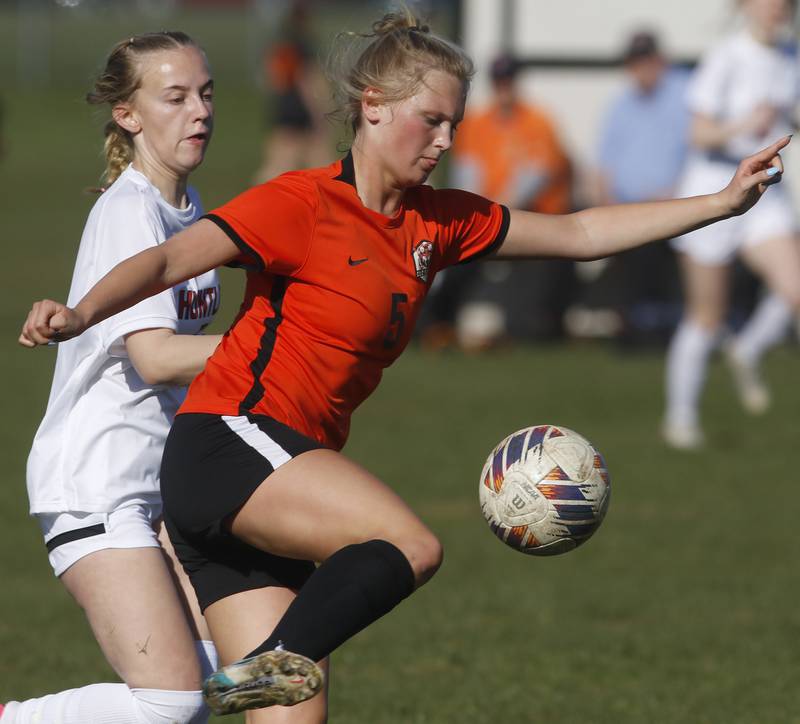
[{"x": 347, "y": 175}]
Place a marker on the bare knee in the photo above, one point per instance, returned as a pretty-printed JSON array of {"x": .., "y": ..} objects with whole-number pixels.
[{"x": 425, "y": 554}]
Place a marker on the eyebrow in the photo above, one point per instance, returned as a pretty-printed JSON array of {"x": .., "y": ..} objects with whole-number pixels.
[{"x": 208, "y": 84}]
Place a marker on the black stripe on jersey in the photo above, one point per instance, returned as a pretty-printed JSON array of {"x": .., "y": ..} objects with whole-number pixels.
[
  {"x": 244, "y": 247},
  {"x": 499, "y": 239},
  {"x": 348, "y": 174},
  {"x": 73, "y": 535},
  {"x": 266, "y": 346}
]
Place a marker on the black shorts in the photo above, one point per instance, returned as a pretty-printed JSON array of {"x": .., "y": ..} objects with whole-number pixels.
[{"x": 212, "y": 464}]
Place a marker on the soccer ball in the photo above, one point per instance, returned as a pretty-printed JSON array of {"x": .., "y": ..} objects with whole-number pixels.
[{"x": 544, "y": 490}]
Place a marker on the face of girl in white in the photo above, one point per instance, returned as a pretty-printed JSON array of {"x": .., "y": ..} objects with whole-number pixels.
[
  {"x": 171, "y": 114},
  {"x": 768, "y": 16},
  {"x": 416, "y": 132}
]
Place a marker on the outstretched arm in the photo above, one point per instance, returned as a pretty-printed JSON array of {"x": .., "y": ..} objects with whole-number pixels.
[
  {"x": 606, "y": 230},
  {"x": 201, "y": 247}
]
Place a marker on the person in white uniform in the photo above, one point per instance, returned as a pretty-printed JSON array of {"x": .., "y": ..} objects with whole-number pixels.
[
  {"x": 744, "y": 93},
  {"x": 93, "y": 471}
]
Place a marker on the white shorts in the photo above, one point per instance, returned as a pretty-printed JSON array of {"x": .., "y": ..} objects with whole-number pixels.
[
  {"x": 717, "y": 244},
  {"x": 71, "y": 536}
]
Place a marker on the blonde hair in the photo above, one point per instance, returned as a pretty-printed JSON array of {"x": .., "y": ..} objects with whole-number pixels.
[
  {"x": 394, "y": 58},
  {"x": 118, "y": 82}
]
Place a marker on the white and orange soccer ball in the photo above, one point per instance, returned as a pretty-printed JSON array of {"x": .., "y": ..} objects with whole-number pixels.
[{"x": 544, "y": 490}]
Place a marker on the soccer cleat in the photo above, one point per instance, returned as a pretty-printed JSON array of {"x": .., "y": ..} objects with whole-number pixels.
[
  {"x": 682, "y": 436},
  {"x": 273, "y": 678},
  {"x": 753, "y": 393}
]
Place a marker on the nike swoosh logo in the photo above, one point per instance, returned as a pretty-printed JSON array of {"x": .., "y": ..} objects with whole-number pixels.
[{"x": 356, "y": 262}]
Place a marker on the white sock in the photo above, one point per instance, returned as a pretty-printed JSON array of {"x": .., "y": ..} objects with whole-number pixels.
[
  {"x": 687, "y": 361},
  {"x": 209, "y": 661},
  {"x": 108, "y": 704},
  {"x": 766, "y": 327}
]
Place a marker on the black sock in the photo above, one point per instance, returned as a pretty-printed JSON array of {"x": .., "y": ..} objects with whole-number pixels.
[{"x": 354, "y": 587}]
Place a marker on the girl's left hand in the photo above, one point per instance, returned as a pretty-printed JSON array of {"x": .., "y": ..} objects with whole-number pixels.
[{"x": 752, "y": 177}]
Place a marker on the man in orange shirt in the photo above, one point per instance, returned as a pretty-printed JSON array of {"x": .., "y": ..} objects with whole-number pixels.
[{"x": 508, "y": 151}]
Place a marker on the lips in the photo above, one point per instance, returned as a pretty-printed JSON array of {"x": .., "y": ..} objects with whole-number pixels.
[{"x": 201, "y": 137}]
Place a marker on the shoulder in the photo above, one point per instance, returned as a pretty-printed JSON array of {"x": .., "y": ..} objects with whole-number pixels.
[
  {"x": 295, "y": 191},
  {"x": 445, "y": 205},
  {"x": 130, "y": 192},
  {"x": 127, "y": 198},
  {"x": 676, "y": 80}
]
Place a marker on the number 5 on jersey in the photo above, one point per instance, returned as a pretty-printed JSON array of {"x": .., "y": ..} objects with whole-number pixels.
[{"x": 397, "y": 320}]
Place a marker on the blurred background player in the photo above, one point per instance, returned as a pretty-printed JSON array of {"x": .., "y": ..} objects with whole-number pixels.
[
  {"x": 508, "y": 151},
  {"x": 743, "y": 94},
  {"x": 642, "y": 149},
  {"x": 297, "y": 136},
  {"x": 93, "y": 471}
]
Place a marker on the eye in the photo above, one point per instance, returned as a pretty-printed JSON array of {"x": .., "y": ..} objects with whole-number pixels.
[
  {"x": 177, "y": 100},
  {"x": 208, "y": 96}
]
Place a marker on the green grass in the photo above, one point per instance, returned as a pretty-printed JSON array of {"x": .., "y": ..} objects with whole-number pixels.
[{"x": 683, "y": 608}]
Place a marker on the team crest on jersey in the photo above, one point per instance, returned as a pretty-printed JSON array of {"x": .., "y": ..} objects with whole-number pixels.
[{"x": 422, "y": 259}]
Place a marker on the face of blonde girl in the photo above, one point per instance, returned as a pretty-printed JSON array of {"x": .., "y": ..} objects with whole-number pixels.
[
  {"x": 416, "y": 132},
  {"x": 173, "y": 110},
  {"x": 767, "y": 15}
]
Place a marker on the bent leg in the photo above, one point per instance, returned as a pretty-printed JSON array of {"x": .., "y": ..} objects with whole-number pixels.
[{"x": 241, "y": 622}]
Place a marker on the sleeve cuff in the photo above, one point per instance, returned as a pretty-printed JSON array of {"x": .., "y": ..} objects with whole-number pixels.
[
  {"x": 498, "y": 240},
  {"x": 247, "y": 250},
  {"x": 114, "y": 338}
]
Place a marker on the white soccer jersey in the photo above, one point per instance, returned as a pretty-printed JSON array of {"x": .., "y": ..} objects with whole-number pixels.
[
  {"x": 732, "y": 80},
  {"x": 737, "y": 76},
  {"x": 100, "y": 442}
]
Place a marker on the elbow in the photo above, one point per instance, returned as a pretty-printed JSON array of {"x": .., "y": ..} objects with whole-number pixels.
[{"x": 153, "y": 374}]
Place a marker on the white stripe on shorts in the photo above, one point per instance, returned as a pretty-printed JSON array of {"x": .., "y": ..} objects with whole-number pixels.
[{"x": 257, "y": 439}]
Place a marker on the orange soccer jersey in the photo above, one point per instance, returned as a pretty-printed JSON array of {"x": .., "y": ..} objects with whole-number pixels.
[{"x": 333, "y": 290}]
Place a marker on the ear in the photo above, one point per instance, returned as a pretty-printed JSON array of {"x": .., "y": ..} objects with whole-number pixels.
[
  {"x": 372, "y": 105},
  {"x": 125, "y": 118}
]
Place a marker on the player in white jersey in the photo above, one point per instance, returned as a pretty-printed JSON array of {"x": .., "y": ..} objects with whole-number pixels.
[
  {"x": 93, "y": 471},
  {"x": 744, "y": 92}
]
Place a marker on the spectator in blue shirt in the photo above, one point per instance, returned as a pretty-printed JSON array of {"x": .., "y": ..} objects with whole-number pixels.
[{"x": 643, "y": 145}]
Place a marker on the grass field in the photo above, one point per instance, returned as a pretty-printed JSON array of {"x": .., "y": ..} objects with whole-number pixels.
[{"x": 683, "y": 608}]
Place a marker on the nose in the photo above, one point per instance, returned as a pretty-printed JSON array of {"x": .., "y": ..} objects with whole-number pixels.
[
  {"x": 201, "y": 110},
  {"x": 444, "y": 139}
]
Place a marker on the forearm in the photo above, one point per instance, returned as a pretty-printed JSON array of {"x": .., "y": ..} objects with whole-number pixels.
[
  {"x": 608, "y": 230},
  {"x": 710, "y": 134},
  {"x": 131, "y": 281}
]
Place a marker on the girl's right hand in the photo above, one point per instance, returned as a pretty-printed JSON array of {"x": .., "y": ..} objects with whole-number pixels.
[{"x": 50, "y": 321}]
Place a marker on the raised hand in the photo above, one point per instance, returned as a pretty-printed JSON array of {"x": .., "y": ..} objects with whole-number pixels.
[{"x": 753, "y": 175}]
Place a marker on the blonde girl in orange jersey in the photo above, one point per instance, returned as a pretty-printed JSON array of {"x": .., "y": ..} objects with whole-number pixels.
[{"x": 339, "y": 261}]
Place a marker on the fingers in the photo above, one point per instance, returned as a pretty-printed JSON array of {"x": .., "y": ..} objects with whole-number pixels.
[
  {"x": 43, "y": 324},
  {"x": 767, "y": 154}
]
